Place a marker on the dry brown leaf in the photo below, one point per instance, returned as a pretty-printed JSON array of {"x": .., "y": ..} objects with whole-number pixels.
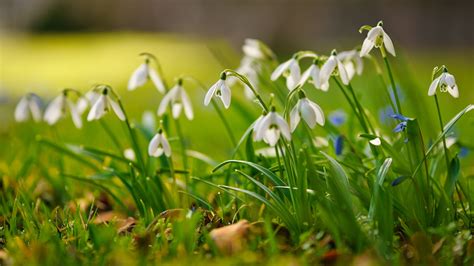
[
  {"x": 105, "y": 217},
  {"x": 230, "y": 239},
  {"x": 126, "y": 225}
]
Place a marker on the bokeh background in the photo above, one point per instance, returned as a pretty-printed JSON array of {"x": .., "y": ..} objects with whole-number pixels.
[{"x": 47, "y": 45}]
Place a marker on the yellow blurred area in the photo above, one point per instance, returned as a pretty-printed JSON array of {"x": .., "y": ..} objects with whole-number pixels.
[{"x": 47, "y": 63}]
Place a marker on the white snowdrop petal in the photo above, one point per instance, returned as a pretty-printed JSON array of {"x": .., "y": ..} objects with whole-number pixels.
[
  {"x": 434, "y": 86},
  {"x": 294, "y": 117},
  {"x": 76, "y": 117},
  {"x": 342, "y": 72},
  {"x": 320, "y": 119},
  {"x": 388, "y": 43},
  {"x": 263, "y": 127},
  {"x": 21, "y": 110},
  {"x": 156, "y": 79},
  {"x": 166, "y": 146},
  {"x": 375, "y": 142},
  {"x": 117, "y": 110},
  {"x": 98, "y": 108},
  {"x": 271, "y": 136},
  {"x": 166, "y": 101},
  {"x": 281, "y": 69},
  {"x": 367, "y": 46},
  {"x": 188, "y": 108},
  {"x": 155, "y": 141},
  {"x": 283, "y": 126},
  {"x": 211, "y": 92},
  {"x": 225, "y": 95},
  {"x": 139, "y": 77},
  {"x": 54, "y": 111},
  {"x": 307, "y": 112},
  {"x": 176, "y": 110},
  {"x": 327, "y": 69}
]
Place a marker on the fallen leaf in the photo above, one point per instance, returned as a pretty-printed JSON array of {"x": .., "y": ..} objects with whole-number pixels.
[{"x": 230, "y": 239}]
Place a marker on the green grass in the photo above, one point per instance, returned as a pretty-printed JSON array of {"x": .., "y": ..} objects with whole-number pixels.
[{"x": 396, "y": 202}]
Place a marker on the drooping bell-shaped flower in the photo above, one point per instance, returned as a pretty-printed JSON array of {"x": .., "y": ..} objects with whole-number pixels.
[
  {"x": 102, "y": 106},
  {"x": 270, "y": 127},
  {"x": 58, "y": 107},
  {"x": 179, "y": 99},
  {"x": 290, "y": 69},
  {"x": 30, "y": 104},
  {"x": 141, "y": 75},
  {"x": 159, "y": 145},
  {"x": 220, "y": 90},
  {"x": 376, "y": 37},
  {"x": 311, "y": 113},
  {"x": 86, "y": 101},
  {"x": 446, "y": 83},
  {"x": 311, "y": 75},
  {"x": 333, "y": 66},
  {"x": 352, "y": 62}
]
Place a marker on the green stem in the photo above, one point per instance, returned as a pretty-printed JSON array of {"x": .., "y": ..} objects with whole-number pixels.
[
  {"x": 183, "y": 150},
  {"x": 111, "y": 136},
  {"x": 354, "y": 109},
  {"x": 392, "y": 81},
  {"x": 446, "y": 155},
  {"x": 361, "y": 110},
  {"x": 244, "y": 80},
  {"x": 133, "y": 137}
]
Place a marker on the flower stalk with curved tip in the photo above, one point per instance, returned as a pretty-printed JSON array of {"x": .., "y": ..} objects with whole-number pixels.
[
  {"x": 290, "y": 69},
  {"x": 445, "y": 82},
  {"x": 144, "y": 72},
  {"x": 102, "y": 106},
  {"x": 219, "y": 90},
  {"x": 271, "y": 127},
  {"x": 311, "y": 75},
  {"x": 30, "y": 104},
  {"x": 378, "y": 38},
  {"x": 179, "y": 100},
  {"x": 159, "y": 145},
  {"x": 311, "y": 113},
  {"x": 58, "y": 108},
  {"x": 352, "y": 62},
  {"x": 333, "y": 67}
]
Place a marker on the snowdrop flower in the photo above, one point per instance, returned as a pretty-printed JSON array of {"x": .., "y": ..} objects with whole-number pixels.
[
  {"x": 312, "y": 75},
  {"x": 311, "y": 112},
  {"x": 249, "y": 68},
  {"x": 376, "y": 37},
  {"x": 85, "y": 101},
  {"x": 159, "y": 145},
  {"x": 58, "y": 108},
  {"x": 129, "y": 154},
  {"x": 220, "y": 90},
  {"x": 102, "y": 105},
  {"x": 179, "y": 100},
  {"x": 291, "y": 69},
  {"x": 333, "y": 66},
  {"x": 29, "y": 104},
  {"x": 446, "y": 83},
  {"x": 271, "y": 127},
  {"x": 375, "y": 141},
  {"x": 352, "y": 62},
  {"x": 142, "y": 74}
]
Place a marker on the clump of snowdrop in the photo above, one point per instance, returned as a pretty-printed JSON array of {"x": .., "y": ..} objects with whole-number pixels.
[
  {"x": 159, "y": 145},
  {"x": 311, "y": 75},
  {"x": 179, "y": 100},
  {"x": 291, "y": 70},
  {"x": 378, "y": 38},
  {"x": 58, "y": 107},
  {"x": 311, "y": 113},
  {"x": 333, "y": 67},
  {"x": 220, "y": 90},
  {"x": 445, "y": 82},
  {"x": 104, "y": 103},
  {"x": 270, "y": 127},
  {"x": 145, "y": 72},
  {"x": 29, "y": 105},
  {"x": 352, "y": 62}
]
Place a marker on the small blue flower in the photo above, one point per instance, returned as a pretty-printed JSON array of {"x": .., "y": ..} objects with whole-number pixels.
[
  {"x": 385, "y": 114},
  {"x": 400, "y": 127},
  {"x": 463, "y": 152},
  {"x": 339, "y": 145},
  {"x": 337, "y": 117},
  {"x": 400, "y": 117}
]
